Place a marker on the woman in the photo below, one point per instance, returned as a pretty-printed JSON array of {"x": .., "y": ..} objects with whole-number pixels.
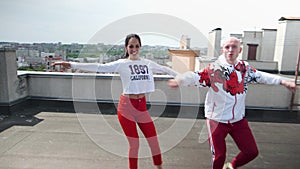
[{"x": 137, "y": 79}]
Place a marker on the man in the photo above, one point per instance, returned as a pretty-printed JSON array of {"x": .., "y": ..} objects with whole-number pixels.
[{"x": 227, "y": 79}]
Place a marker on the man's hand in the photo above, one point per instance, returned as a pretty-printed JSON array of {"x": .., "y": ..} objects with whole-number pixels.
[
  {"x": 173, "y": 83},
  {"x": 290, "y": 85}
]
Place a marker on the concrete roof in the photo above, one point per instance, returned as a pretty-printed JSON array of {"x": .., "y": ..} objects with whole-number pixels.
[{"x": 45, "y": 140}]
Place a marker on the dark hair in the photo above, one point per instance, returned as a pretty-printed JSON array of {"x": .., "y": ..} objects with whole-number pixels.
[{"x": 128, "y": 37}]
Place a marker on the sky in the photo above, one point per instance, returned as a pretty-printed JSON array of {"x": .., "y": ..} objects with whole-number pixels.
[{"x": 78, "y": 21}]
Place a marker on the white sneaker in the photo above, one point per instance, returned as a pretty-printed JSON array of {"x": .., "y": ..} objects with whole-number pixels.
[
  {"x": 227, "y": 166},
  {"x": 159, "y": 167}
]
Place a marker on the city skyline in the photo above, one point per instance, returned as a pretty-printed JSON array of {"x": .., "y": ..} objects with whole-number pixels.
[{"x": 78, "y": 21}]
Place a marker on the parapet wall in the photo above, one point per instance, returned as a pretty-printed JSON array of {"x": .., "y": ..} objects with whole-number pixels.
[{"x": 107, "y": 88}]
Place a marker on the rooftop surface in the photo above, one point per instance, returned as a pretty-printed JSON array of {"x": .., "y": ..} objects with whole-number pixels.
[{"x": 68, "y": 140}]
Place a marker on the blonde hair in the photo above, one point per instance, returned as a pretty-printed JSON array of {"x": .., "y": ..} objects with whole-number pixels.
[{"x": 223, "y": 41}]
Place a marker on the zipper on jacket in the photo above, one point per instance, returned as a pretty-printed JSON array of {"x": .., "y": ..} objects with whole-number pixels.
[{"x": 235, "y": 101}]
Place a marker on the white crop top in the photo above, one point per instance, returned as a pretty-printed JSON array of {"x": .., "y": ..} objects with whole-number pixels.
[{"x": 136, "y": 75}]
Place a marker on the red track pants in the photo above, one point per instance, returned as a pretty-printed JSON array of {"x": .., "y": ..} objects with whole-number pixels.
[
  {"x": 132, "y": 112},
  {"x": 241, "y": 134}
]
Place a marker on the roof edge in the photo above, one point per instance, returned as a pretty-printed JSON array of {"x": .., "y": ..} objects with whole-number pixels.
[{"x": 289, "y": 18}]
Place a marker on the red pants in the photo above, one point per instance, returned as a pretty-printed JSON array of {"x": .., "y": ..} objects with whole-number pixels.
[
  {"x": 241, "y": 134},
  {"x": 130, "y": 113}
]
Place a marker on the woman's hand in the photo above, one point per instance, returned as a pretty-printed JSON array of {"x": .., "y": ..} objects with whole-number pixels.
[{"x": 66, "y": 65}]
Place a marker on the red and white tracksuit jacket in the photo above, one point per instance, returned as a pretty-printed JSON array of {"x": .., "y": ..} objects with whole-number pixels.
[{"x": 225, "y": 99}]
